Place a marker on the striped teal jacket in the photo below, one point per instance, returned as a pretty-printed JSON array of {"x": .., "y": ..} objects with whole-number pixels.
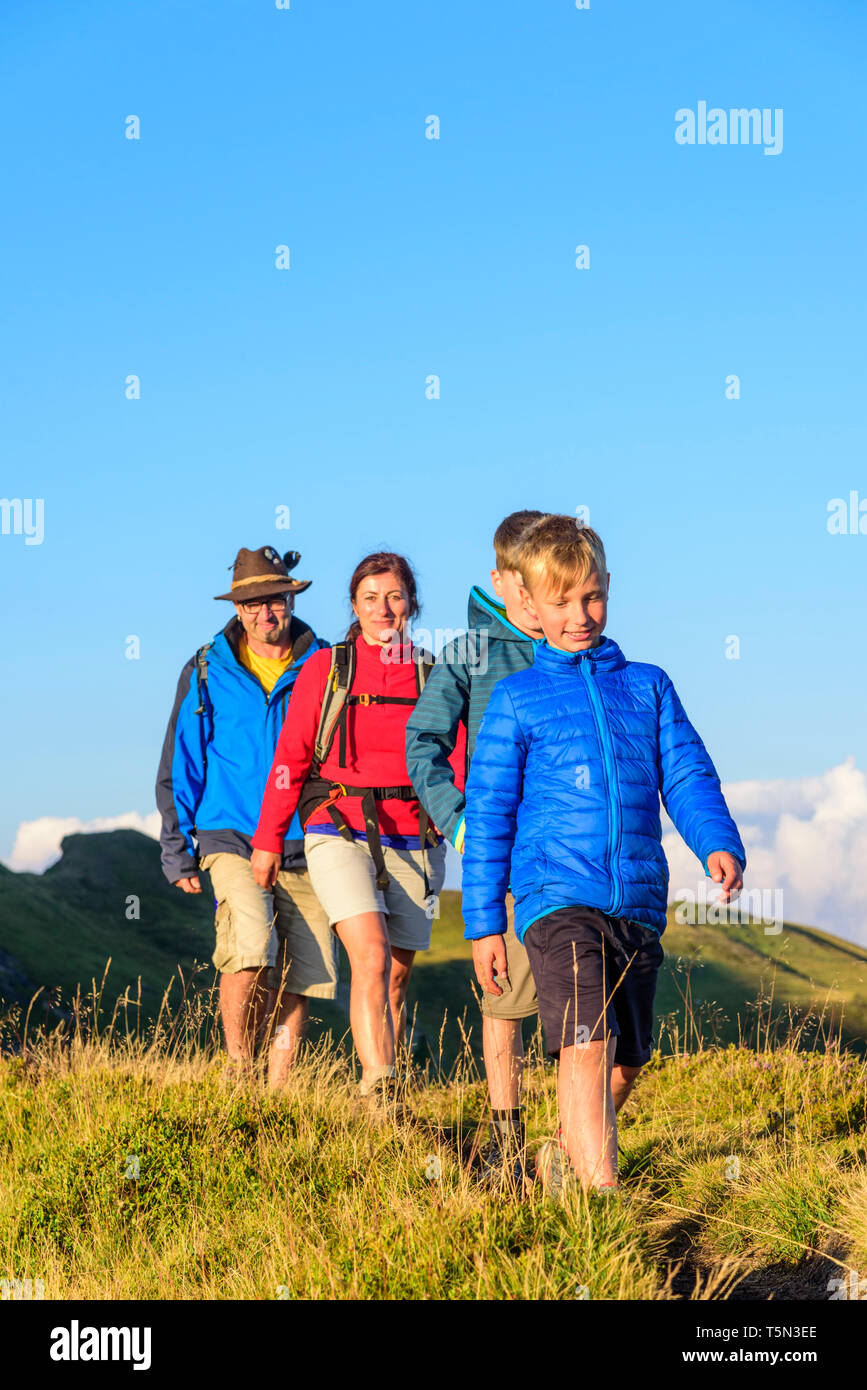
[{"x": 458, "y": 690}]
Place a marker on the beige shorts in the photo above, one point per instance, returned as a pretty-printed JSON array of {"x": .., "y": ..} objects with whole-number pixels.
[
  {"x": 343, "y": 875},
  {"x": 518, "y": 999},
  {"x": 284, "y": 930}
]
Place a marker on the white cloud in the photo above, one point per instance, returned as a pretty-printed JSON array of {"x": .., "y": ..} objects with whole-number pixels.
[
  {"x": 805, "y": 836},
  {"x": 37, "y": 843}
]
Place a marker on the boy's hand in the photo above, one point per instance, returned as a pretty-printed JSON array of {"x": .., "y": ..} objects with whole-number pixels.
[
  {"x": 489, "y": 956},
  {"x": 725, "y": 869}
]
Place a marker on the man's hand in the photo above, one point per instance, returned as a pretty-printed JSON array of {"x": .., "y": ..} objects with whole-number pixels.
[
  {"x": 725, "y": 869},
  {"x": 189, "y": 885},
  {"x": 489, "y": 956},
  {"x": 265, "y": 866}
]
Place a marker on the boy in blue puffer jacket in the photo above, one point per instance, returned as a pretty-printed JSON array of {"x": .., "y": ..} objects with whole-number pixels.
[{"x": 562, "y": 801}]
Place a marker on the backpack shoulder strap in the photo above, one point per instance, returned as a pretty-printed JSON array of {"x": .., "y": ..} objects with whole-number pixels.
[
  {"x": 337, "y": 687},
  {"x": 202, "y": 676},
  {"x": 424, "y": 664}
]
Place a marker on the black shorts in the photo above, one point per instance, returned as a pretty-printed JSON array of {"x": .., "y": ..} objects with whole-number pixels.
[{"x": 595, "y": 977}]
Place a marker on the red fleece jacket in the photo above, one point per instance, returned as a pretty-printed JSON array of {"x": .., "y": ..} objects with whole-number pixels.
[{"x": 375, "y": 748}]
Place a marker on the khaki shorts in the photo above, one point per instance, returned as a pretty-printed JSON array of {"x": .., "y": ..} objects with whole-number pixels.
[
  {"x": 343, "y": 875},
  {"x": 284, "y": 930},
  {"x": 518, "y": 999}
]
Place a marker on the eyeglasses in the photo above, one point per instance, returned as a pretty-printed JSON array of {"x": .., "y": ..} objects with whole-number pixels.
[{"x": 277, "y": 603}]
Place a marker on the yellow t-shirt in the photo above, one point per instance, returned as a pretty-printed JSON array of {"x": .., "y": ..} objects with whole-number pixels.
[{"x": 266, "y": 669}]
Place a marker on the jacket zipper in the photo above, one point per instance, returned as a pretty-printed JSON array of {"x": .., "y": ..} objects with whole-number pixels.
[
  {"x": 267, "y": 698},
  {"x": 615, "y": 819}
]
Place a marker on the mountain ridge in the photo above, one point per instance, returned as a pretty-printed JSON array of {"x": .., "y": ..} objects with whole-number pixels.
[{"x": 106, "y": 897}]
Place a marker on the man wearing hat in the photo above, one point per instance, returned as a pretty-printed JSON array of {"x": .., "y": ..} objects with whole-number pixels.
[{"x": 229, "y": 709}]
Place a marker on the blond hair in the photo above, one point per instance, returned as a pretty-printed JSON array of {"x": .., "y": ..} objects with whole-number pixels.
[
  {"x": 558, "y": 552},
  {"x": 508, "y": 536}
]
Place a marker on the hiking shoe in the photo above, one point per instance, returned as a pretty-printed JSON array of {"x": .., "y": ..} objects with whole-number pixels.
[
  {"x": 554, "y": 1167},
  {"x": 556, "y": 1174},
  {"x": 237, "y": 1074},
  {"x": 382, "y": 1103},
  {"x": 503, "y": 1159}
]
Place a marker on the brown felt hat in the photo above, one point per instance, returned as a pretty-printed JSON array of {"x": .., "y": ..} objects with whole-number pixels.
[{"x": 262, "y": 573}]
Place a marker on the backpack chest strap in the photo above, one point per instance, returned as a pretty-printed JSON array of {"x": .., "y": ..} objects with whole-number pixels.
[{"x": 381, "y": 699}]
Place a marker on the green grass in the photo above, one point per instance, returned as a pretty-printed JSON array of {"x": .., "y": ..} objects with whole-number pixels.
[
  {"x": 130, "y": 1167},
  {"x": 743, "y": 1148}
]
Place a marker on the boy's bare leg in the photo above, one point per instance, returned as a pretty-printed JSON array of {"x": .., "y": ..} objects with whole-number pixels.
[
  {"x": 503, "y": 1048},
  {"x": 289, "y": 1028},
  {"x": 243, "y": 1001},
  {"x": 587, "y": 1115}
]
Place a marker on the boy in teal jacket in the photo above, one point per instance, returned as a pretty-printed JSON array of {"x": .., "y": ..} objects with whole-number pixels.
[{"x": 500, "y": 641}]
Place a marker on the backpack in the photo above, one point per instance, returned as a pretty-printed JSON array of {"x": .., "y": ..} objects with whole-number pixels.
[
  {"x": 337, "y": 697},
  {"x": 319, "y": 790},
  {"x": 201, "y": 660}
]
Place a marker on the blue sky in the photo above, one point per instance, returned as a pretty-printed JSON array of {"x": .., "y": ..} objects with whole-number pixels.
[{"x": 305, "y": 387}]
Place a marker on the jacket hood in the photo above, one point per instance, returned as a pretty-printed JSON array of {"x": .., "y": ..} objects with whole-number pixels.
[
  {"x": 606, "y": 657},
  {"x": 490, "y": 613}
]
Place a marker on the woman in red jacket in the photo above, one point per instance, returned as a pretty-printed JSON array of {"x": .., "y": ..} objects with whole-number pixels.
[{"x": 375, "y": 863}]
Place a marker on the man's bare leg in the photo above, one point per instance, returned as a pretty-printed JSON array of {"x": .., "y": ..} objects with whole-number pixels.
[
  {"x": 290, "y": 1025},
  {"x": 243, "y": 1001}
]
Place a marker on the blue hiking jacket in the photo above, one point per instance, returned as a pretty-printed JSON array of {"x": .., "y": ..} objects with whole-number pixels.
[
  {"x": 563, "y": 792},
  {"x": 214, "y": 765},
  {"x": 457, "y": 691}
]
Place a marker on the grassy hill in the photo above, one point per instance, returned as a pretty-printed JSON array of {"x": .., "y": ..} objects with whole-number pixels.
[
  {"x": 132, "y": 1167},
  {"x": 61, "y": 927},
  {"x": 139, "y": 1171},
  {"x": 719, "y": 984}
]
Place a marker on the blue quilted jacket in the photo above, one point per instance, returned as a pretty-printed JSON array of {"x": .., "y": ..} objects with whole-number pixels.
[
  {"x": 564, "y": 787},
  {"x": 217, "y": 754}
]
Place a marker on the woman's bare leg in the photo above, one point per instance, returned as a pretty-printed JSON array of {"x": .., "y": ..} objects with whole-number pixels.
[
  {"x": 401, "y": 969},
  {"x": 366, "y": 943}
]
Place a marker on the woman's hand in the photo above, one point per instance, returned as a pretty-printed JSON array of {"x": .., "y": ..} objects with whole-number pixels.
[{"x": 265, "y": 866}]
